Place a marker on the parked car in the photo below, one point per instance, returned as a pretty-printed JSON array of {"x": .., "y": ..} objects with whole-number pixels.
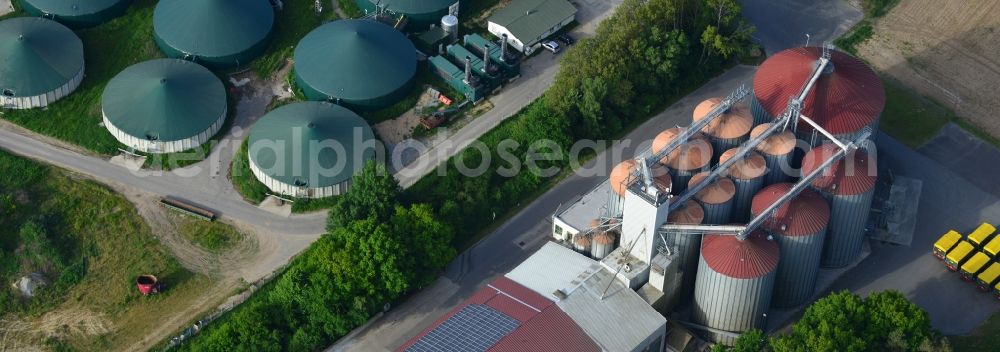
[
  {"x": 565, "y": 38},
  {"x": 552, "y": 46}
]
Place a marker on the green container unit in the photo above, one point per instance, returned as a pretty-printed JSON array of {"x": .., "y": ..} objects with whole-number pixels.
[
  {"x": 74, "y": 13},
  {"x": 489, "y": 76},
  {"x": 509, "y": 67},
  {"x": 456, "y": 78},
  {"x": 420, "y": 14}
]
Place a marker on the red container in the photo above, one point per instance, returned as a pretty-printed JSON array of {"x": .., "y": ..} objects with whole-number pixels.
[{"x": 146, "y": 284}]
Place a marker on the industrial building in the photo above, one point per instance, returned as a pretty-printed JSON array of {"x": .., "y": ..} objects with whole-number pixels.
[
  {"x": 413, "y": 15},
  {"x": 482, "y": 65},
  {"x": 525, "y": 23},
  {"x": 748, "y": 232},
  {"x": 164, "y": 106},
  {"x": 75, "y": 13},
  {"x": 41, "y": 61},
  {"x": 310, "y": 149},
  {"x": 360, "y": 64},
  {"x": 218, "y": 34},
  {"x": 556, "y": 300}
]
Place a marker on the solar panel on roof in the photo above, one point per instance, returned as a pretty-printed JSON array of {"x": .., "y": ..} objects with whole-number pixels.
[{"x": 474, "y": 328}]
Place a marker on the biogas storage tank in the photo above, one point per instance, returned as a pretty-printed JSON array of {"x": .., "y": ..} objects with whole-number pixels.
[{"x": 735, "y": 282}]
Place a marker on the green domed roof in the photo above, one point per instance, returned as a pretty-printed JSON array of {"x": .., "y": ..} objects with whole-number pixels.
[
  {"x": 77, "y": 13},
  {"x": 413, "y": 7},
  {"x": 37, "y": 56},
  {"x": 215, "y": 32},
  {"x": 164, "y": 99},
  {"x": 361, "y": 62},
  {"x": 299, "y": 129}
]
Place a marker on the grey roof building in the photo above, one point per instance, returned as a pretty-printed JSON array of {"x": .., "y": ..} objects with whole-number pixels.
[{"x": 527, "y": 22}]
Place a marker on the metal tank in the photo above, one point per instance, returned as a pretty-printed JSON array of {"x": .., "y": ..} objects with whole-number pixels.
[
  {"x": 581, "y": 243},
  {"x": 735, "y": 283},
  {"x": 777, "y": 150},
  {"x": 716, "y": 198},
  {"x": 685, "y": 244},
  {"x": 799, "y": 226},
  {"x": 602, "y": 244},
  {"x": 726, "y": 131},
  {"x": 684, "y": 161},
  {"x": 848, "y": 186},
  {"x": 748, "y": 176},
  {"x": 623, "y": 175},
  {"x": 846, "y": 99}
]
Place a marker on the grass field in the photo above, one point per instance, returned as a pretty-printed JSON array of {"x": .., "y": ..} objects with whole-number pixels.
[
  {"x": 108, "y": 49},
  {"x": 984, "y": 338},
  {"x": 210, "y": 235},
  {"x": 90, "y": 243},
  {"x": 911, "y": 118},
  {"x": 293, "y": 22}
]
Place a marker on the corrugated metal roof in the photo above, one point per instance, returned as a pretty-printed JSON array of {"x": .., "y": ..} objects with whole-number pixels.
[
  {"x": 37, "y": 56},
  {"x": 720, "y": 191},
  {"x": 750, "y": 166},
  {"x": 806, "y": 214},
  {"x": 850, "y": 176},
  {"x": 693, "y": 155},
  {"x": 604, "y": 238},
  {"x": 663, "y": 138},
  {"x": 691, "y": 213},
  {"x": 780, "y": 143},
  {"x": 846, "y": 98},
  {"x": 734, "y": 123},
  {"x": 528, "y": 19},
  {"x": 747, "y": 259},
  {"x": 76, "y": 13},
  {"x": 622, "y": 176}
]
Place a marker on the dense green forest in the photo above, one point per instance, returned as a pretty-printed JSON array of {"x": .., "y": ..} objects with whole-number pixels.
[{"x": 382, "y": 243}]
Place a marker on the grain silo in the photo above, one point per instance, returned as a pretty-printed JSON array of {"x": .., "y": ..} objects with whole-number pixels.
[
  {"x": 76, "y": 13},
  {"x": 361, "y": 64},
  {"x": 218, "y": 34},
  {"x": 164, "y": 106},
  {"x": 735, "y": 283},
  {"x": 846, "y": 99},
  {"x": 748, "y": 176},
  {"x": 602, "y": 244},
  {"x": 686, "y": 244},
  {"x": 848, "y": 185},
  {"x": 418, "y": 14},
  {"x": 799, "y": 226},
  {"x": 623, "y": 175},
  {"x": 309, "y": 149},
  {"x": 728, "y": 130},
  {"x": 716, "y": 198},
  {"x": 41, "y": 61},
  {"x": 686, "y": 160},
  {"x": 581, "y": 243},
  {"x": 778, "y": 150}
]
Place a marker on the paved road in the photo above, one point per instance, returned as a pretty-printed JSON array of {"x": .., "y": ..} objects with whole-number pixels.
[
  {"x": 783, "y": 24},
  {"x": 537, "y": 74},
  {"x": 502, "y": 250},
  {"x": 948, "y": 201}
]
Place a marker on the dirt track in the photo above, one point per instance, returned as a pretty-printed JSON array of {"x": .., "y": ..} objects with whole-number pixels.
[{"x": 946, "y": 49}]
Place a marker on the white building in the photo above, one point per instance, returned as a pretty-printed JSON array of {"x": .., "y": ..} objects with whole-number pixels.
[{"x": 527, "y": 22}]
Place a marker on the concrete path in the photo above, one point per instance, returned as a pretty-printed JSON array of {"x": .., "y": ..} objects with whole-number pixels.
[
  {"x": 523, "y": 234},
  {"x": 537, "y": 74},
  {"x": 783, "y": 24},
  {"x": 948, "y": 201},
  {"x": 961, "y": 152}
]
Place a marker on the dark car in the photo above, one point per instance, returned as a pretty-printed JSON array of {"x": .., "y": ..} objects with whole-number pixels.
[{"x": 565, "y": 38}]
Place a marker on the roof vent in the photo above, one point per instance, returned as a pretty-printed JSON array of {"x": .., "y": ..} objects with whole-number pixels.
[
  {"x": 300, "y": 183},
  {"x": 560, "y": 294},
  {"x": 152, "y": 136}
]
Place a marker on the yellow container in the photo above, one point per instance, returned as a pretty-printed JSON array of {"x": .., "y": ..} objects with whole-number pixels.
[
  {"x": 975, "y": 264},
  {"x": 981, "y": 233},
  {"x": 958, "y": 254},
  {"x": 947, "y": 242},
  {"x": 988, "y": 276}
]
